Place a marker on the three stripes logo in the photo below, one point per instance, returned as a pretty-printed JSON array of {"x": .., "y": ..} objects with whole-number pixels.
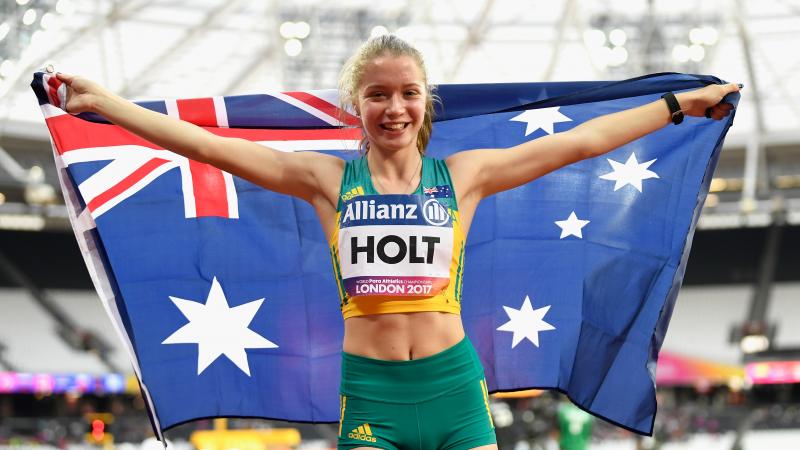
[
  {"x": 355, "y": 192},
  {"x": 362, "y": 433}
]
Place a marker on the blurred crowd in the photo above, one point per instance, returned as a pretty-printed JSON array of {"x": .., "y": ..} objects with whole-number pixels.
[{"x": 544, "y": 422}]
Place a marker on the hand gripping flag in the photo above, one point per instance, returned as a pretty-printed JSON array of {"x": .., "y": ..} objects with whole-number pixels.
[{"x": 223, "y": 292}]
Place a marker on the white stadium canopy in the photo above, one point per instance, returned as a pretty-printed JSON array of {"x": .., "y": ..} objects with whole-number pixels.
[{"x": 198, "y": 48}]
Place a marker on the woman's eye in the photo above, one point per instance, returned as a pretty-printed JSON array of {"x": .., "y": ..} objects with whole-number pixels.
[{"x": 412, "y": 93}]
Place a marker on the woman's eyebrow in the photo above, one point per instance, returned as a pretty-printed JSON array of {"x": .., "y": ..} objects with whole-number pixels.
[{"x": 383, "y": 86}]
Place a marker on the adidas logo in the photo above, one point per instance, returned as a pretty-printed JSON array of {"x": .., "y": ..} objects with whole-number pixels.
[
  {"x": 355, "y": 192},
  {"x": 362, "y": 433}
]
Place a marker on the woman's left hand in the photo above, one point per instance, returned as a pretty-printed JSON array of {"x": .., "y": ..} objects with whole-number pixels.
[{"x": 698, "y": 101}]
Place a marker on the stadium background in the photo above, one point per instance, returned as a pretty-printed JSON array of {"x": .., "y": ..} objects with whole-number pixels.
[{"x": 730, "y": 366}]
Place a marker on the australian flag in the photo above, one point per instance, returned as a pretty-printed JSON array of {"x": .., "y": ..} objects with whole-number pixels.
[
  {"x": 223, "y": 292},
  {"x": 442, "y": 191}
]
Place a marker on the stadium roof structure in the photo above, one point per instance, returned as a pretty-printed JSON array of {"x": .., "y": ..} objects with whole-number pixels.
[{"x": 198, "y": 48}]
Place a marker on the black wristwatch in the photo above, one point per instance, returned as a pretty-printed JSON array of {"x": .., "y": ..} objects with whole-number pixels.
[{"x": 674, "y": 107}]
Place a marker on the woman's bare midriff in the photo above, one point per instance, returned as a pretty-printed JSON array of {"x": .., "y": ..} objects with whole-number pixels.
[{"x": 402, "y": 336}]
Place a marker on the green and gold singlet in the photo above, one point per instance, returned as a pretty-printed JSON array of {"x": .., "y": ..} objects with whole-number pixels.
[{"x": 398, "y": 253}]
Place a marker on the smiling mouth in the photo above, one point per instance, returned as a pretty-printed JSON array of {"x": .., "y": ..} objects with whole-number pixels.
[{"x": 394, "y": 126}]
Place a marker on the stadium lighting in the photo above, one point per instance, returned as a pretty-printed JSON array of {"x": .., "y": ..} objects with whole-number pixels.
[
  {"x": 618, "y": 56},
  {"x": 22, "y": 222},
  {"x": 601, "y": 56},
  {"x": 295, "y": 30},
  {"x": 48, "y": 19},
  {"x": 293, "y": 47},
  {"x": 39, "y": 194},
  {"x": 617, "y": 37},
  {"x": 503, "y": 417},
  {"x": 23, "y": 2},
  {"x": 697, "y": 53},
  {"x": 710, "y": 35},
  {"x": 302, "y": 30},
  {"x": 696, "y": 35},
  {"x": 680, "y": 53},
  {"x": 29, "y": 17},
  {"x": 718, "y": 185},
  {"x": 287, "y": 30},
  {"x": 736, "y": 384},
  {"x": 754, "y": 343},
  {"x": 594, "y": 38},
  {"x": 4, "y": 29},
  {"x": 706, "y": 35},
  {"x": 64, "y": 6},
  {"x": 36, "y": 174},
  {"x": 747, "y": 205}
]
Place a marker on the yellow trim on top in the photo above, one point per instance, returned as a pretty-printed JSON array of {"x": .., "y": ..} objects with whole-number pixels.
[
  {"x": 364, "y": 305},
  {"x": 486, "y": 401}
]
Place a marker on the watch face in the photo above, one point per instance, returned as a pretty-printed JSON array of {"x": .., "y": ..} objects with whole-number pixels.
[{"x": 677, "y": 117}]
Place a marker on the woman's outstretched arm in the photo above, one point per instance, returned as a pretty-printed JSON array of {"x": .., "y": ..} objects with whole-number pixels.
[
  {"x": 311, "y": 176},
  {"x": 480, "y": 173}
]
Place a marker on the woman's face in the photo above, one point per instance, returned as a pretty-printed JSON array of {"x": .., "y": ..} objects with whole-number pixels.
[{"x": 391, "y": 102}]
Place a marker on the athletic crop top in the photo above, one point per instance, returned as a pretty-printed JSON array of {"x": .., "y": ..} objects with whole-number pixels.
[{"x": 397, "y": 253}]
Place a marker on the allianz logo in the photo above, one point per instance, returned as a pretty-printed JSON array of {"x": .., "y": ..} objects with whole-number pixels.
[{"x": 432, "y": 211}]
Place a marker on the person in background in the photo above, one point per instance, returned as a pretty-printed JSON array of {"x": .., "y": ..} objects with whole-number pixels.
[{"x": 574, "y": 427}]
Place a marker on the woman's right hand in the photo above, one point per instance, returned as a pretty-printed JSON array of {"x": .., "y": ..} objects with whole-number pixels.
[{"x": 83, "y": 94}]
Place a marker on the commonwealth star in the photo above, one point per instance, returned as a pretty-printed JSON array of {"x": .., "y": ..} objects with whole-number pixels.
[{"x": 218, "y": 329}]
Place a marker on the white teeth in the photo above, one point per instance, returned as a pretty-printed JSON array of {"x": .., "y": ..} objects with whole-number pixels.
[{"x": 394, "y": 126}]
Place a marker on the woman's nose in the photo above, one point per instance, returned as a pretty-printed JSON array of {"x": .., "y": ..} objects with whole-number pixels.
[{"x": 396, "y": 104}]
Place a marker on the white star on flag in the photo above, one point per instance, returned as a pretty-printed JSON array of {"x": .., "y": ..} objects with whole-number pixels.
[
  {"x": 543, "y": 118},
  {"x": 629, "y": 173},
  {"x": 218, "y": 329},
  {"x": 571, "y": 226},
  {"x": 526, "y": 322}
]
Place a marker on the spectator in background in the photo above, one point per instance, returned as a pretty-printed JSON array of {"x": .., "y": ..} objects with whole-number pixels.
[{"x": 574, "y": 427}]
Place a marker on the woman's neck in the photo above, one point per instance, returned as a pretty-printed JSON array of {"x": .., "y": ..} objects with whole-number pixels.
[{"x": 395, "y": 172}]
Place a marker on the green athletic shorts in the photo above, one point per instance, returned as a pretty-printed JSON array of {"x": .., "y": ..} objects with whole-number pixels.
[{"x": 438, "y": 402}]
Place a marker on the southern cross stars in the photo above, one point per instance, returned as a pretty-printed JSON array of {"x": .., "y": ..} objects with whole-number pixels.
[
  {"x": 526, "y": 322},
  {"x": 572, "y": 226},
  {"x": 218, "y": 329},
  {"x": 629, "y": 173},
  {"x": 543, "y": 118}
]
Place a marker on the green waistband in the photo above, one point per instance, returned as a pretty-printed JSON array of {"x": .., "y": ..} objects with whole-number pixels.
[{"x": 411, "y": 381}]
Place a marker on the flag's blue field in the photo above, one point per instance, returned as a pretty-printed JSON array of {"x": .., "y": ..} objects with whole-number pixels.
[{"x": 224, "y": 294}]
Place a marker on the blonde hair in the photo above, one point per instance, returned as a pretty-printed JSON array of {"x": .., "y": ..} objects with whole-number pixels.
[{"x": 353, "y": 71}]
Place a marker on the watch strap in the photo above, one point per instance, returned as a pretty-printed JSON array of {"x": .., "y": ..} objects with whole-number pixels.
[{"x": 674, "y": 107}]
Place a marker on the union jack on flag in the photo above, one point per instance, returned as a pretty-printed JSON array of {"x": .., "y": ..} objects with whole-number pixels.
[
  {"x": 223, "y": 293},
  {"x": 207, "y": 191}
]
